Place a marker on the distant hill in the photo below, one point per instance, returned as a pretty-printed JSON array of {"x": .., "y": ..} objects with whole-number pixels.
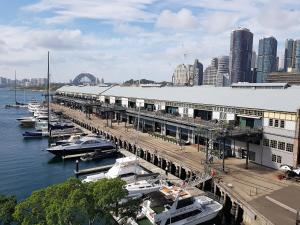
[{"x": 143, "y": 81}]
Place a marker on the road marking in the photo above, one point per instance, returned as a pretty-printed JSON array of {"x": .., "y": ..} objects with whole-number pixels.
[{"x": 282, "y": 205}]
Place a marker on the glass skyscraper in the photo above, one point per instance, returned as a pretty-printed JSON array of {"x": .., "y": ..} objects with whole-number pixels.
[
  {"x": 240, "y": 55},
  {"x": 267, "y": 58},
  {"x": 297, "y": 55},
  {"x": 223, "y": 71},
  {"x": 289, "y": 54},
  {"x": 198, "y": 72}
]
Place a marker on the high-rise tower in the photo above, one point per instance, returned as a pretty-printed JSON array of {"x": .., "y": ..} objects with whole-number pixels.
[
  {"x": 223, "y": 71},
  {"x": 198, "y": 72},
  {"x": 240, "y": 55},
  {"x": 289, "y": 54},
  {"x": 267, "y": 58},
  {"x": 297, "y": 56}
]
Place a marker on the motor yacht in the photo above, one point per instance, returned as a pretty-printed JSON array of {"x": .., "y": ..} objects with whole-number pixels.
[
  {"x": 71, "y": 139},
  {"x": 124, "y": 167},
  {"x": 36, "y": 134},
  {"x": 61, "y": 125},
  {"x": 83, "y": 145},
  {"x": 28, "y": 121},
  {"x": 142, "y": 187},
  {"x": 41, "y": 125},
  {"x": 174, "y": 205}
]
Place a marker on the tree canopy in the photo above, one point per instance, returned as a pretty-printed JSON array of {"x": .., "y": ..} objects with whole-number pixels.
[
  {"x": 7, "y": 208},
  {"x": 68, "y": 203}
]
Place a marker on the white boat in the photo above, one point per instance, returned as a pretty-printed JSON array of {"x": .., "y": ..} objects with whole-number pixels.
[
  {"x": 24, "y": 118},
  {"x": 32, "y": 107},
  {"x": 173, "y": 205},
  {"x": 28, "y": 122},
  {"x": 41, "y": 125},
  {"x": 140, "y": 188},
  {"x": 124, "y": 167}
]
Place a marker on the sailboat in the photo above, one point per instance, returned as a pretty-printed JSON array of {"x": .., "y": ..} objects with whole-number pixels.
[
  {"x": 45, "y": 131},
  {"x": 17, "y": 104}
]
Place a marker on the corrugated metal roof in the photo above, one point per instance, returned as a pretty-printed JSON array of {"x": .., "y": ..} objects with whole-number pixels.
[{"x": 269, "y": 99}]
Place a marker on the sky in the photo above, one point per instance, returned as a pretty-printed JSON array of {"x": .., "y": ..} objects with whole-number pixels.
[{"x": 122, "y": 39}]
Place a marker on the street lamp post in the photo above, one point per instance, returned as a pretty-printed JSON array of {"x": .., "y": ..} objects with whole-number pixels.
[
  {"x": 207, "y": 143},
  {"x": 224, "y": 134}
]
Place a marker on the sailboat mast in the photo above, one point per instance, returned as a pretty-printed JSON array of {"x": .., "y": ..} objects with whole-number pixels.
[
  {"x": 48, "y": 93},
  {"x": 15, "y": 87}
]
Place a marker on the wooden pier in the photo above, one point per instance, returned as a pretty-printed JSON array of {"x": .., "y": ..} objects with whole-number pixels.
[
  {"x": 235, "y": 187},
  {"x": 92, "y": 170}
]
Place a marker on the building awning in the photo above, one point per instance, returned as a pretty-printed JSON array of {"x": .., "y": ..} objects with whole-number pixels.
[{"x": 250, "y": 116}]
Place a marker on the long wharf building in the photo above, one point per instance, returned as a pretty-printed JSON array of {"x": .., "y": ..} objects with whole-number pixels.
[{"x": 259, "y": 123}]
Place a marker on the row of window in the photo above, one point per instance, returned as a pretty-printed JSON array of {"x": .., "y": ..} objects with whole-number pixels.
[
  {"x": 279, "y": 145},
  {"x": 276, "y": 158},
  {"x": 276, "y": 123}
]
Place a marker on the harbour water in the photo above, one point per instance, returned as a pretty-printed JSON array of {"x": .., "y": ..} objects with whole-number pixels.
[{"x": 25, "y": 166}]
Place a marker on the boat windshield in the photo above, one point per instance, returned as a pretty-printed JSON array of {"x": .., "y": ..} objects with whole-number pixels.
[{"x": 78, "y": 142}]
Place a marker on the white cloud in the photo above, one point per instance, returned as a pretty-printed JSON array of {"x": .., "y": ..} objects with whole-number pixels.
[
  {"x": 134, "y": 42},
  {"x": 183, "y": 19},
  {"x": 116, "y": 10},
  {"x": 126, "y": 28},
  {"x": 219, "y": 22}
]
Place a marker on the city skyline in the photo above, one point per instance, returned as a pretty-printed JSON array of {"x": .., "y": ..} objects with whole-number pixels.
[{"x": 119, "y": 40}]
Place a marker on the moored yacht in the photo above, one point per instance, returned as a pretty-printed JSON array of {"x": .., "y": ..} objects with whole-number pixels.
[
  {"x": 142, "y": 187},
  {"x": 71, "y": 139},
  {"x": 28, "y": 121},
  {"x": 124, "y": 167},
  {"x": 173, "y": 205},
  {"x": 36, "y": 134},
  {"x": 41, "y": 125},
  {"x": 83, "y": 145}
]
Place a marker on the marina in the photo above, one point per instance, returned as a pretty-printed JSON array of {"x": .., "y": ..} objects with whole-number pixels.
[
  {"x": 87, "y": 167},
  {"x": 155, "y": 155},
  {"x": 25, "y": 166},
  {"x": 162, "y": 153}
]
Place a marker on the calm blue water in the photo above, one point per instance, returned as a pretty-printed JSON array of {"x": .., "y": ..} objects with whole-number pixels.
[{"x": 24, "y": 164}]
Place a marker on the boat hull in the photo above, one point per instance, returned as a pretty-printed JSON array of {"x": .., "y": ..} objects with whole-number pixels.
[
  {"x": 29, "y": 134},
  {"x": 78, "y": 151},
  {"x": 27, "y": 123}
]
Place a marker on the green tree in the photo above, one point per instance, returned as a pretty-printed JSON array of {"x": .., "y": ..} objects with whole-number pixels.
[
  {"x": 69, "y": 203},
  {"x": 7, "y": 208},
  {"x": 107, "y": 193},
  {"x": 73, "y": 203},
  {"x": 130, "y": 208}
]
